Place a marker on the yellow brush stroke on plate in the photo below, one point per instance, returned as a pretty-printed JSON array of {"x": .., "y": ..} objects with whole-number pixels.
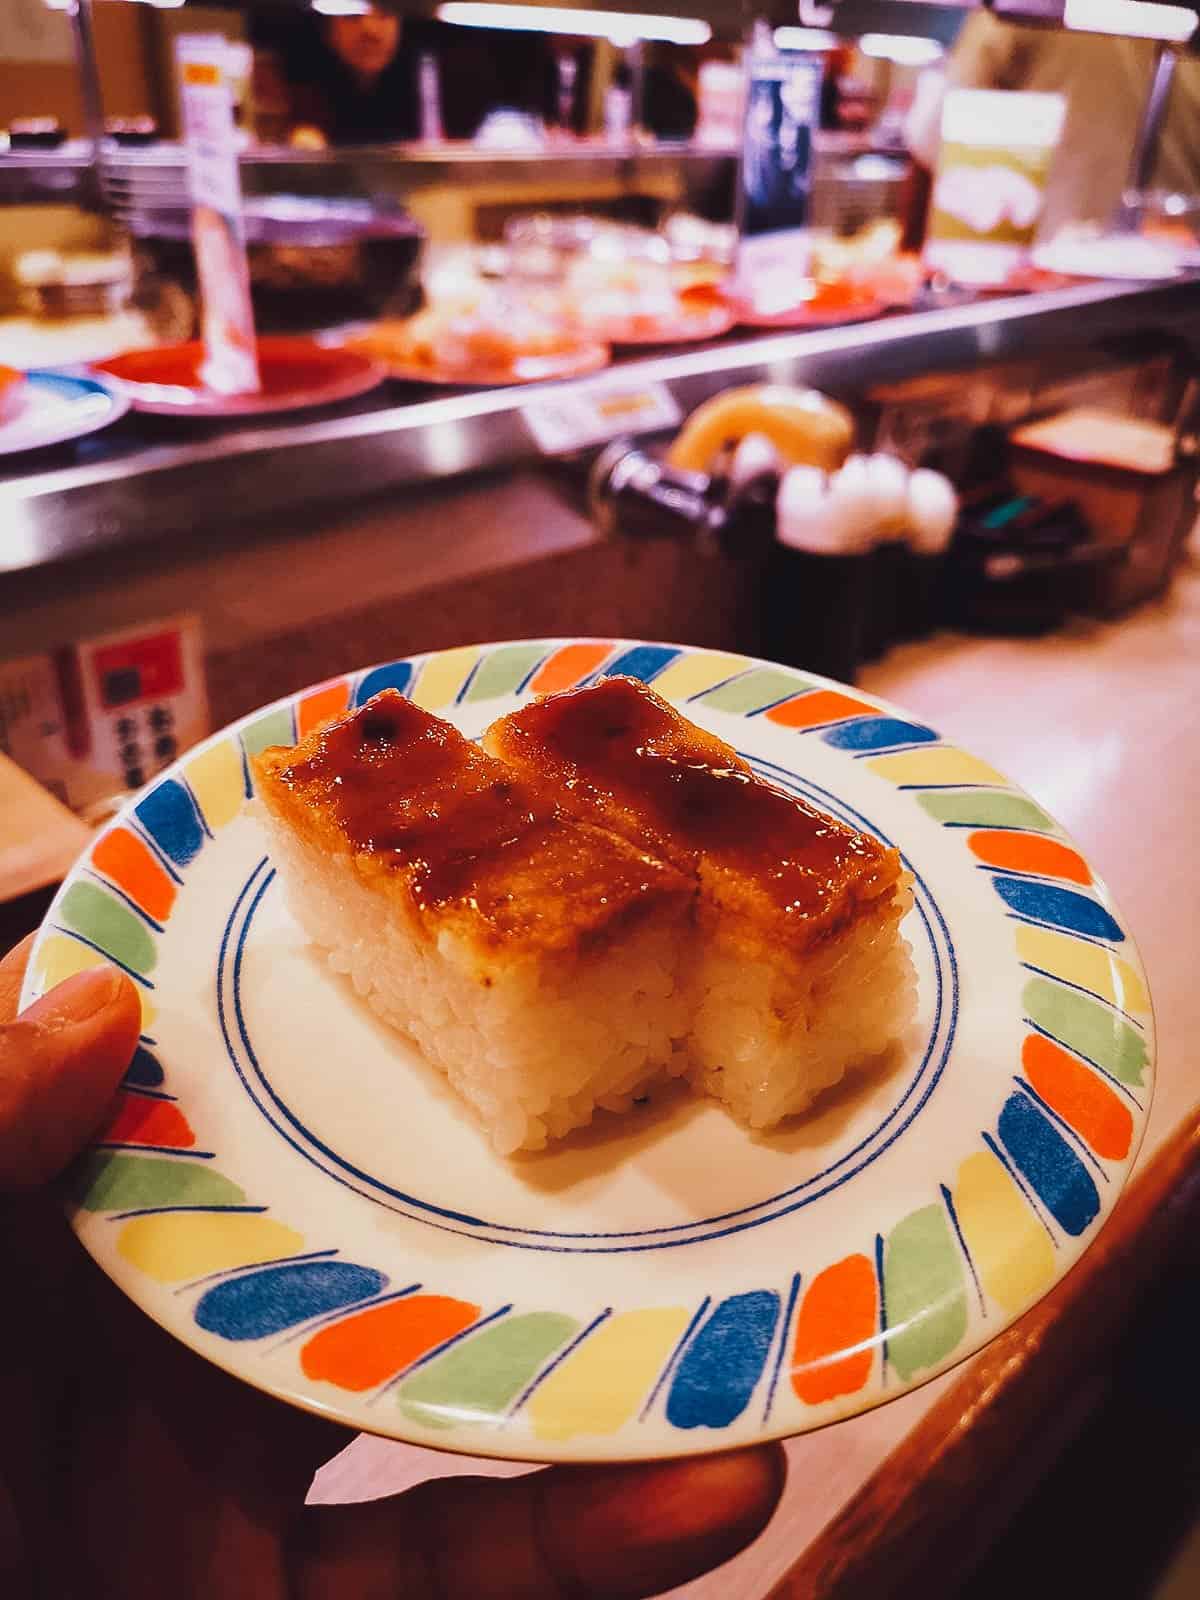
[
  {"x": 175, "y": 1246},
  {"x": 1084, "y": 964},
  {"x": 937, "y": 766},
  {"x": 440, "y": 679},
  {"x": 215, "y": 777},
  {"x": 601, "y": 1386},
  {"x": 1011, "y": 1250},
  {"x": 62, "y": 957},
  {"x": 694, "y": 674}
]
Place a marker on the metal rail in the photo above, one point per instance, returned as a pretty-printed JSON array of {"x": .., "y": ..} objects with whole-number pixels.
[{"x": 146, "y": 480}]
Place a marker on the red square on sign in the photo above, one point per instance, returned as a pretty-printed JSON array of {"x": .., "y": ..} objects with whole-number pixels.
[{"x": 138, "y": 669}]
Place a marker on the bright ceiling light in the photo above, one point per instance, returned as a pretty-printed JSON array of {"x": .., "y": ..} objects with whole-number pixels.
[
  {"x": 620, "y": 26},
  {"x": 1134, "y": 19},
  {"x": 342, "y": 8},
  {"x": 805, "y": 39},
  {"x": 905, "y": 49}
]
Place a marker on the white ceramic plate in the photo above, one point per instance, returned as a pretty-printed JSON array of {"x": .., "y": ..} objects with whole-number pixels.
[
  {"x": 1121, "y": 256},
  {"x": 53, "y": 407},
  {"x": 296, "y": 1195}
]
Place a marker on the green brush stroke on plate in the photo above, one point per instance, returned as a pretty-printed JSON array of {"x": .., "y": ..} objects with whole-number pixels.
[
  {"x": 105, "y": 1181},
  {"x": 109, "y": 923},
  {"x": 924, "y": 1291},
  {"x": 984, "y": 808},
  {"x": 1087, "y": 1027},
  {"x": 481, "y": 1377}
]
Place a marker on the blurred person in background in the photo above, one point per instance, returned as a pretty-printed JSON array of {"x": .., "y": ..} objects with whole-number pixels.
[
  {"x": 670, "y": 96},
  {"x": 1106, "y": 82},
  {"x": 362, "y": 82},
  {"x": 353, "y": 80}
]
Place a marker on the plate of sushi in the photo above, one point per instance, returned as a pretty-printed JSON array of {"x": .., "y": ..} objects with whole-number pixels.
[
  {"x": 44, "y": 408},
  {"x": 486, "y": 344},
  {"x": 590, "y": 1049}
]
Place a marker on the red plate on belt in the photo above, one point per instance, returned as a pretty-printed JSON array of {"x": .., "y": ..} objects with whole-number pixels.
[
  {"x": 576, "y": 362},
  {"x": 295, "y": 373},
  {"x": 822, "y": 306}
]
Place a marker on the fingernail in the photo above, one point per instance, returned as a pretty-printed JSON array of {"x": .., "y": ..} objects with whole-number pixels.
[{"x": 79, "y": 998}]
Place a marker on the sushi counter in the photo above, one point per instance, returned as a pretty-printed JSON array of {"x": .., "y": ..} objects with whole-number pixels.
[
  {"x": 253, "y": 558},
  {"x": 905, "y": 1499},
  {"x": 165, "y": 483},
  {"x": 412, "y": 518}
]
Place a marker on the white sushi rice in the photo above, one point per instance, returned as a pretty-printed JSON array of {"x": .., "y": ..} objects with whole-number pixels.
[
  {"x": 766, "y": 1041},
  {"x": 537, "y": 1044}
]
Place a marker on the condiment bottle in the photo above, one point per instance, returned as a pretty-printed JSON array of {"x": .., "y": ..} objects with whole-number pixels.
[
  {"x": 932, "y": 519},
  {"x": 818, "y": 572}
]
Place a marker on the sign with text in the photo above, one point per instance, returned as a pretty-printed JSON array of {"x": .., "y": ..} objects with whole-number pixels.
[
  {"x": 102, "y": 716},
  {"x": 996, "y": 154},
  {"x": 561, "y": 422},
  {"x": 783, "y": 98},
  {"x": 218, "y": 237}
]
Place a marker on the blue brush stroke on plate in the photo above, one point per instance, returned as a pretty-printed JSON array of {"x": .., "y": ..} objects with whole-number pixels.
[
  {"x": 169, "y": 816},
  {"x": 1052, "y": 1168},
  {"x": 877, "y": 733},
  {"x": 145, "y": 1071},
  {"x": 1061, "y": 908},
  {"x": 644, "y": 661},
  {"x": 395, "y": 675},
  {"x": 261, "y": 1303},
  {"x": 723, "y": 1363}
]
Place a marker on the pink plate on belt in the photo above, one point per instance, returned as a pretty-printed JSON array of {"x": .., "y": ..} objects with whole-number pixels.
[{"x": 688, "y": 325}]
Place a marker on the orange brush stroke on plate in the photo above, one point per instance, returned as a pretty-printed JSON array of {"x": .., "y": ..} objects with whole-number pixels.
[
  {"x": 362, "y": 1351},
  {"x": 139, "y": 1119},
  {"x": 1028, "y": 852},
  {"x": 330, "y": 700},
  {"x": 839, "y": 1311},
  {"x": 566, "y": 666},
  {"x": 810, "y": 710},
  {"x": 1080, "y": 1096},
  {"x": 126, "y": 861}
]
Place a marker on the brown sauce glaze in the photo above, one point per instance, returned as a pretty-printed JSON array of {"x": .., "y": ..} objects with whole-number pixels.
[
  {"x": 627, "y": 758},
  {"x": 407, "y": 788}
]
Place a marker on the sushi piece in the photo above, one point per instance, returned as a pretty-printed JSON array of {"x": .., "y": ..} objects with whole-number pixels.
[
  {"x": 531, "y": 956},
  {"x": 798, "y": 971}
]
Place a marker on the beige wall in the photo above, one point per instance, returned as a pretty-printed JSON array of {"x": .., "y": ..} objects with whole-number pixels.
[{"x": 37, "y": 69}]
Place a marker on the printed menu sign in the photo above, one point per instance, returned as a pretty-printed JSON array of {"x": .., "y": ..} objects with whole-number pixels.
[
  {"x": 990, "y": 186},
  {"x": 218, "y": 238},
  {"x": 102, "y": 716},
  {"x": 783, "y": 95}
]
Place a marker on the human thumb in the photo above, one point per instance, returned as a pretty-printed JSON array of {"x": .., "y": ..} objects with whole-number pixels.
[{"x": 60, "y": 1062}]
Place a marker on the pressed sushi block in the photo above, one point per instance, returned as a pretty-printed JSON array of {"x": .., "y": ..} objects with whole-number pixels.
[
  {"x": 532, "y": 957},
  {"x": 602, "y": 897},
  {"x": 798, "y": 970}
]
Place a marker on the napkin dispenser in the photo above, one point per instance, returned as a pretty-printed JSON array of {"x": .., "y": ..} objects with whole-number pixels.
[{"x": 1133, "y": 480}]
